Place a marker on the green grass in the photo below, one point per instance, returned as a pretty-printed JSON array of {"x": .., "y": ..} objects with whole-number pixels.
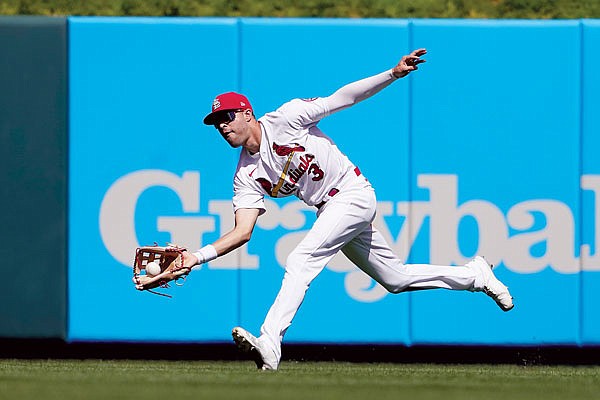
[{"x": 171, "y": 380}]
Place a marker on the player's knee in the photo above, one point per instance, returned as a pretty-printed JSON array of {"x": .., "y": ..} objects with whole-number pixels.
[
  {"x": 394, "y": 288},
  {"x": 391, "y": 288},
  {"x": 397, "y": 280}
]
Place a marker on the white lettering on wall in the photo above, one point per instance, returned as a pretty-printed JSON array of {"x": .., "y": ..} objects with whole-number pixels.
[
  {"x": 117, "y": 211},
  {"x": 531, "y": 236}
]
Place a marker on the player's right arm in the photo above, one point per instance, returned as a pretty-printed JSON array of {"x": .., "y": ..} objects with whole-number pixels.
[
  {"x": 245, "y": 220},
  {"x": 248, "y": 204}
]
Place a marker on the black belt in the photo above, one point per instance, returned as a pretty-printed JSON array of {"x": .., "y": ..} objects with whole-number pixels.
[{"x": 334, "y": 191}]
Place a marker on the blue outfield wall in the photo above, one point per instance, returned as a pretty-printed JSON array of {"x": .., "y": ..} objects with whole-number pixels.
[{"x": 488, "y": 148}]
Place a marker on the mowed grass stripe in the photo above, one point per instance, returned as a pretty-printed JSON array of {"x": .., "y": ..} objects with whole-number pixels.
[{"x": 170, "y": 380}]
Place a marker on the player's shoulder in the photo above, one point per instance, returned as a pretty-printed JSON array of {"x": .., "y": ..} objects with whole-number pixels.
[
  {"x": 278, "y": 121},
  {"x": 295, "y": 111},
  {"x": 292, "y": 107},
  {"x": 297, "y": 103}
]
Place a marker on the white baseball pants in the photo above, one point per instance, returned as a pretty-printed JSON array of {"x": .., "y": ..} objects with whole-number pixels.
[{"x": 344, "y": 223}]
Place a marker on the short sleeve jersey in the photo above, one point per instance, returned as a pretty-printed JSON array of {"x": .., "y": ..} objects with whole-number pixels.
[{"x": 295, "y": 158}]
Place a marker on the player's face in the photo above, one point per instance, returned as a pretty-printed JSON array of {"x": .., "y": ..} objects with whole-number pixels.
[{"x": 231, "y": 126}]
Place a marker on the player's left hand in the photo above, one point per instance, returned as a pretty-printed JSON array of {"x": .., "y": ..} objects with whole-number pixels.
[
  {"x": 409, "y": 63},
  {"x": 171, "y": 260}
]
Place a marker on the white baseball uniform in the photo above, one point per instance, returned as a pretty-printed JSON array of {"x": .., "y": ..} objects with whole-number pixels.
[{"x": 296, "y": 158}]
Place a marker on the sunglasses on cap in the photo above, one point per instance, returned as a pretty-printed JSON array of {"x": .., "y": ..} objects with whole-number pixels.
[{"x": 224, "y": 117}]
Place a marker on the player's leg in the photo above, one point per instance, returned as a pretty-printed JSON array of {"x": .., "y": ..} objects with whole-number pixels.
[
  {"x": 338, "y": 223},
  {"x": 371, "y": 253}
]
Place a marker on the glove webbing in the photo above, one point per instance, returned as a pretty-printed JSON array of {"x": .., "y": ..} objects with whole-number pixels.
[{"x": 152, "y": 257}]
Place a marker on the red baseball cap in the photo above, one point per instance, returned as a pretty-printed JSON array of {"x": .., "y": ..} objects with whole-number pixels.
[{"x": 227, "y": 101}]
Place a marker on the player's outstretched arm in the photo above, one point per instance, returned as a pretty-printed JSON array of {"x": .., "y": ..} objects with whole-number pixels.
[
  {"x": 309, "y": 112},
  {"x": 245, "y": 220},
  {"x": 355, "y": 92}
]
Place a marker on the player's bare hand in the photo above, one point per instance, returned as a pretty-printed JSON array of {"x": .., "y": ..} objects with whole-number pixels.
[{"x": 409, "y": 63}]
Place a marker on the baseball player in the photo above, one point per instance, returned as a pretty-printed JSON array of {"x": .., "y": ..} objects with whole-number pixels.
[{"x": 285, "y": 153}]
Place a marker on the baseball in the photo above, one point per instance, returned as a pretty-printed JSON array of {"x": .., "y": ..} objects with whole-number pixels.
[{"x": 152, "y": 268}]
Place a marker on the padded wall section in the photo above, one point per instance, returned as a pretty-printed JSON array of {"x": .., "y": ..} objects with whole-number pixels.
[
  {"x": 33, "y": 132},
  {"x": 144, "y": 168},
  {"x": 496, "y": 156}
]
